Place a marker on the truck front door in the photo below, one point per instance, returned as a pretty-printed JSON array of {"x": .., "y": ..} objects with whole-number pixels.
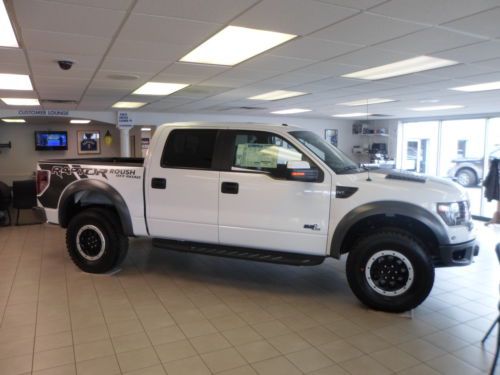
[
  {"x": 259, "y": 207},
  {"x": 182, "y": 188}
]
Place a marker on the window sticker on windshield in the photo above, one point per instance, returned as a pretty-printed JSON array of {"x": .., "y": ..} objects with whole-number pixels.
[{"x": 256, "y": 155}]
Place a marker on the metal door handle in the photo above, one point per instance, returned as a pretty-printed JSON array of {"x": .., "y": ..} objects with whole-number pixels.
[
  {"x": 158, "y": 183},
  {"x": 229, "y": 188}
]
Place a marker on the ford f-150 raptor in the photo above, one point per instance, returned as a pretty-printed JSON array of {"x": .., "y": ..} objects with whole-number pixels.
[{"x": 265, "y": 193}]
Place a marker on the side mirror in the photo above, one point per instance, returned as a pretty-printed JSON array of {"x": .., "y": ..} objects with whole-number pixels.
[{"x": 298, "y": 170}]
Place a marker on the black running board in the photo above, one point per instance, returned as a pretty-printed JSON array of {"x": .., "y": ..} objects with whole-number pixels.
[{"x": 240, "y": 252}]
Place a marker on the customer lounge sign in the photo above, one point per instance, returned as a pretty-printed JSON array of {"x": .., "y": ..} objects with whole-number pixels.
[{"x": 42, "y": 112}]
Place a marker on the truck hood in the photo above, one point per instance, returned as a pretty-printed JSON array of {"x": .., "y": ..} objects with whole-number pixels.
[{"x": 405, "y": 186}]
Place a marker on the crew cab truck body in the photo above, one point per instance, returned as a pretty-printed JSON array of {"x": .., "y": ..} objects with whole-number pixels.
[{"x": 268, "y": 193}]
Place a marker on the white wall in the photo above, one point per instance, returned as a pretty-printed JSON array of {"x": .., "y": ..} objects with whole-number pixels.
[{"x": 19, "y": 162}]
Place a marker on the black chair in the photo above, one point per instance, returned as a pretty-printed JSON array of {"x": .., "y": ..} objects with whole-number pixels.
[
  {"x": 496, "y": 322},
  {"x": 5, "y": 201},
  {"x": 23, "y": 196}
]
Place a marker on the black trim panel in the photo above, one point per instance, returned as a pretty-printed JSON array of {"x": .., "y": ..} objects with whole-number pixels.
[
  {"x": 266, "y": 256},
  {"x": 99, "y": 187},
  {"x": 387, "y": 208}
]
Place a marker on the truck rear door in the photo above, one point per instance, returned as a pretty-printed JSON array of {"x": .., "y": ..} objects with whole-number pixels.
[{"x": 182, "y": 188}]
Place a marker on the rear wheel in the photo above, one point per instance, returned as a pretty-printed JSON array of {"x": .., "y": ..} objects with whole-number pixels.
[
  {"x": 390, "y": 271},
  {"x": 95, "y": 240},
  {"x": 466, "y": 177}
]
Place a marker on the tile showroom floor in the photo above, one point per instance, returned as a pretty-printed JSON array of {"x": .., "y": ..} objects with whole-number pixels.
[{"x": 172, "y": 313}]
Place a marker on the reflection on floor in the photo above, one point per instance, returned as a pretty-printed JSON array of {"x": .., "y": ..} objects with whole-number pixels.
[{"x": 173, "y": 313}]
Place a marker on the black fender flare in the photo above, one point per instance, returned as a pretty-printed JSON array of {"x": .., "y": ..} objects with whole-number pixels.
[
  {"x": 102, "y": 188},
  {"x": 389, "y": 209}
]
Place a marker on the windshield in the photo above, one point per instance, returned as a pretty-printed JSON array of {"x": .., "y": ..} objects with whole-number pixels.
[{"x": 331, "y": 155}]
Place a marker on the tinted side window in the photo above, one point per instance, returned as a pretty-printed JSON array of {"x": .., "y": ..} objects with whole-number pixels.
[{"x": 189, "y": 148}]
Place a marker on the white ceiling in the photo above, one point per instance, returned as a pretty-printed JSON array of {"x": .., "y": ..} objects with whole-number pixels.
[{"x": 146, "y": 38}]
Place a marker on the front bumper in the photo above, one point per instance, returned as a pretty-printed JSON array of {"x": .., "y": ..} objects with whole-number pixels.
[{"x": 457, "y": 254}]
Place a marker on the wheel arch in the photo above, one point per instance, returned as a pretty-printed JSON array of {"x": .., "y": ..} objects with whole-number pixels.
[
  {"x": 84, "y": 193},
  {"x": 467, "y": 168},
  {"x": 395, "y": 214}
]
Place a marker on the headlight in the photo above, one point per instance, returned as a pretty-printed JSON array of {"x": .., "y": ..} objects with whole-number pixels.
[{"x": 455, "y": 213}]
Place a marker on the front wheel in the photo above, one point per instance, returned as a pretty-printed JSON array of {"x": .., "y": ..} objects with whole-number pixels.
[
  {"x": 466, "y": 177},
  {"x": 390, "y": 271},
  {"x": 95, "y": 240}
]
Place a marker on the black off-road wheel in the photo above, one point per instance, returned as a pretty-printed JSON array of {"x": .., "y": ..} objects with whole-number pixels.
[
  {"x": 95, "y": 240},
  {"x": 390, "y": 271}
]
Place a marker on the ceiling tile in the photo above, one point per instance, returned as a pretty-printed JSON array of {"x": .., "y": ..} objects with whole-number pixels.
[
  {"x": 167, "y": 52},
  {"x": 12, "y": 56},
  {"x": 329, "y": 68},
  {"x": 366, "y": 29},
  {"x": 314, "y": 49},
  {"x": 460, "y": 71},
  {"x": 194, "y": 70},
  {"x": 132, "y": 65},
  {"x": 428, "y": 41},
  {"x": 67, "y": 18},
  {"x": 490, "y": 63},
  {"x": 217, "y": 11},
  {"x": 153, "y": 29},
  {"x": 198, "y": 92},
  {"x": 177, "y": 78},
  {"x": 472, "y": 53},
  {"x": 294, "y": 78},
  {"x": 60, "y": 93},
  {"x": 484, "y": 23},
  {"x": 357, "y": 4},
  {"x": 106, "y": 4},
  {"x": 432, "y": 11},
  {"x": 14, "y": 68},
  {"x": 46, "y": 62},
  {"x": 66, "y": 44},
  {"x": 275, "y": 63},
  {"x": 370, "y": 57},
  {"x": 298, "y": 17}
]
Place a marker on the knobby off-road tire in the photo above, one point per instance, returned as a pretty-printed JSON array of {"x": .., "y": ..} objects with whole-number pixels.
[
  {"x": 95, "y": 240},
  {"x": 390, "y": 271}
]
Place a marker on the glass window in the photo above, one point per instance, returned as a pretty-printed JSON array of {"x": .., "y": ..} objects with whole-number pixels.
[
  {"x": 263, "y": 151},
  {"x": 329, "y": 154},
  {"x": 189, "y": 148},
  {"x": 419, "y": 147}
]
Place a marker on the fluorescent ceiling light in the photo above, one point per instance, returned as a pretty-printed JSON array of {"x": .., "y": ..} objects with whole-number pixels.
[
  {"x": 159, "y": 88},
  {"x": 367, "y": 102},
  {"x": 487, "y": 86},
  {"x": 20, "y": 101},
  {"x": 235, "y": 44},
  {"x": 7, "y": 36},
  {"x": 277, "y": 95},
  {"x": 291, "y": 111},
  {"x": 399, "y": 68},
  {"x": 129, "y": 104},
  {"x": 145, "y": 129},
  {"x": 436, "y": 107},
  {"x": 15, "y": 82},
  {"x": 19, "y": 120},
  {"x": 356, "y": 114},
  {"x": 79, "y": 121}
]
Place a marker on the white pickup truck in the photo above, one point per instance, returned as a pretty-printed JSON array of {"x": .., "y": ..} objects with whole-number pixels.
[{"x": 271, "y": 193}]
